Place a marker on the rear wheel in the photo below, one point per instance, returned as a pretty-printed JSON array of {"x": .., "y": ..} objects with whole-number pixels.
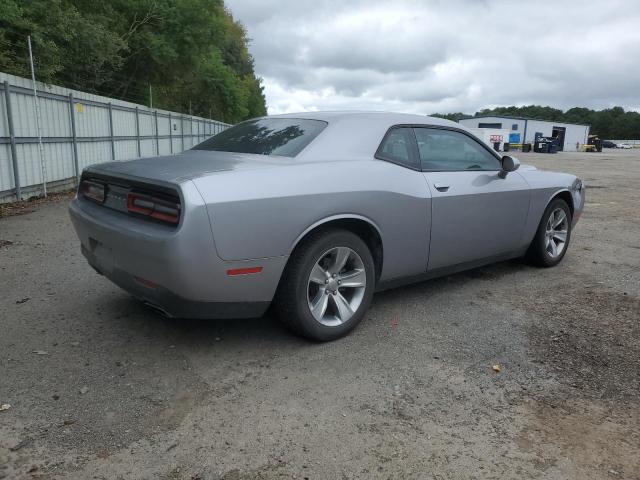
[
  {"x": 327, "y": 286},
  {"x": 552, "y": 238}
]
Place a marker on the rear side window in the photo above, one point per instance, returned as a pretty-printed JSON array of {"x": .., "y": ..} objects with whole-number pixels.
[
  {"x": 447, "y": 150},
  {"x": 285, "y": 137},
  {"x": 398, "y": 147}
]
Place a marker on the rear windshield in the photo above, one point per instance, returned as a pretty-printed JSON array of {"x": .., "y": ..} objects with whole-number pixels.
[{"x": 266, "y": 136}]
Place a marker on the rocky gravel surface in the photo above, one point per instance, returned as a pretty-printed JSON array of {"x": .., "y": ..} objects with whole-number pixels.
[{"x": 503, "y": 372}]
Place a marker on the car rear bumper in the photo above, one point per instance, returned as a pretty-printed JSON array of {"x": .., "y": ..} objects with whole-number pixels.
[
  {"x": 175, "y": 270},
  {"x": 172, "y": 305}
]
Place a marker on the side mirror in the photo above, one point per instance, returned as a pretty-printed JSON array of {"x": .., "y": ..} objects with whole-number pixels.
[{"x": 509, "y": 164}]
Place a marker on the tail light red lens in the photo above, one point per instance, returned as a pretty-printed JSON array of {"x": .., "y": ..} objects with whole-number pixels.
[
  {"x": 92, "y": 191},
  {"x": 154, "y": 207}
]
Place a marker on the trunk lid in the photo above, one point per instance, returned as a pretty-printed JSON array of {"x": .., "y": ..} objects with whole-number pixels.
[{"x": 185, "y": 166}]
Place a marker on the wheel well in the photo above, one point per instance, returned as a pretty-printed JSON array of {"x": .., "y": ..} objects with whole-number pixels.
[
  {"x": 367, "y": 232},
  {"x": 566, "y": 196}
]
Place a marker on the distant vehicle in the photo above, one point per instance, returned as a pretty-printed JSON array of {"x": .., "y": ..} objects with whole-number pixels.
[
  {"x": 623, "y": 145},
  {"x": 608, "y": 144},
  {"x": 315, "y": 211}
]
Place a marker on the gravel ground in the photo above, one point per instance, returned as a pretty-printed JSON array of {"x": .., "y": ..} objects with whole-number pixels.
[{"x": 101, "y": 387}]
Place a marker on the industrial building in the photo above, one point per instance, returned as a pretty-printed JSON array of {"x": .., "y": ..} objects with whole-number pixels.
[{"x": 518, "y": 130}]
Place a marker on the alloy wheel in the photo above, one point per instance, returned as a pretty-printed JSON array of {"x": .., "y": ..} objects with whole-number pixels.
[
  {"x": 336, "y": 286},
  {"x": 556, "y": 233}
]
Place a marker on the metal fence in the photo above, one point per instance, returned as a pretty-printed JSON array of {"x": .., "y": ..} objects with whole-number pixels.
[{"x": 79, "y": 129}]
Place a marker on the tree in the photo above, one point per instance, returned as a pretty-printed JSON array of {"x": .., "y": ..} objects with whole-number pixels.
[
  {"x": 455, "y": 117},
  {"x": 192, "y": 53}
]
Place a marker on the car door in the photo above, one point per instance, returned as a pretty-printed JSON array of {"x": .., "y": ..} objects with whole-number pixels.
[{"x": 476, "y": 213}]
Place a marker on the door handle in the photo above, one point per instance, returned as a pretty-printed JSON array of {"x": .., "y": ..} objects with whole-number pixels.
[{"x": 441, "y": 187}]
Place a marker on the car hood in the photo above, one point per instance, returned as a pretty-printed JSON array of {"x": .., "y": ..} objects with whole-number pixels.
[
  {"x": 187, "y": 165},
  {"x": 526, "y": 168}
]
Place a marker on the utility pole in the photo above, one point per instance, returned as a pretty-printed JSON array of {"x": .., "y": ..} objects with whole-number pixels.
[
  {"x": 36, "y": 109},
  {"x": 150, "y": 97}
]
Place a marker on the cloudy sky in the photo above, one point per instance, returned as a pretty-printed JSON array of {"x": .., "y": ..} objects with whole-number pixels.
[{"x": 443, "y": 55}]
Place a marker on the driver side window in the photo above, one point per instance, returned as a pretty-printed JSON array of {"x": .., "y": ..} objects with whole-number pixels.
[{"x": 447, "y": 150}]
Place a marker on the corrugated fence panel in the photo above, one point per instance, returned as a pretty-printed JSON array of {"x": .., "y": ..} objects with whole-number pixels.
[
  {"x": 124, "y": 123},
  {"x": 93, "y": 152},
  {"x": 146, "y": 124},
  {"x": 24, "y": 118},
  {"x": 59, "y": 160},
  {"x": 165, "y": 146},
  {"x": 163, "y": 125},
  {"x": 6, "y": 170},
  {"x": 92, "y": 121},
  {"x": 126, "y": 149},
  {"x": 4, "y": 126},
  {"x": 105, "y": 129},
  {"x": 148, "y": 148},
  {"x": 177, "y": 125},
  {"x": 55, "y": 120},
  {"x": 177, "y": 144},
  {"x": 29, "y": 164}
]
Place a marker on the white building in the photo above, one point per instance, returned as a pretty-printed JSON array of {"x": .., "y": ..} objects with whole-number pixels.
[
  {"x": 494, "y": 137},
  {"x": 525, "y": 130}
]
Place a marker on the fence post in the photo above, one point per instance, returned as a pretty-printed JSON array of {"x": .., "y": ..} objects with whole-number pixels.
[
  {"x": 182, "y": 130},
  {"x": 113, "y": 145},
  {"x": 170, "y": 135},
  {"x": 155, "y": 114},
  {"x": 12, "y": 137},
  {"x": 74, "y": 137},
  {"x": 138, "y": 132}
]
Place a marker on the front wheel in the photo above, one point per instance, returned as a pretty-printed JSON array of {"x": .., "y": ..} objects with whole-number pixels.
[
  {"x": 327, "y": 285},
  {"x": 552, "y": 238}
]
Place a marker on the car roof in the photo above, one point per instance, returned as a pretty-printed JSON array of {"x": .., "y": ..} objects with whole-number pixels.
[
  {"x": 392, "y": 118},
  {"x": 356, "y": 134}
]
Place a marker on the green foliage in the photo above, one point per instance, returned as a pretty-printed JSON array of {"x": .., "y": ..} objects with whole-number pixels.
[
  {"x": 611, "y": 123},
  {"x": 192, "y": 52}
]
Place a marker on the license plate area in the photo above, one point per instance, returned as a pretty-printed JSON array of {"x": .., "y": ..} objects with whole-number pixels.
[{"x": 116, "y": 197}]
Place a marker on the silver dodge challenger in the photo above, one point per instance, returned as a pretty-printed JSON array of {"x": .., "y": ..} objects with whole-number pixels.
[{"x": 312, "y": 213}]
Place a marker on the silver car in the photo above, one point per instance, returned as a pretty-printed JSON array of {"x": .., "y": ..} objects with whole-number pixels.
[{"x": 312, "y": 213}]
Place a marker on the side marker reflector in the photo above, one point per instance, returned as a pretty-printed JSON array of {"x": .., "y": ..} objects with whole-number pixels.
[
  {"x": 244, "y": 271},
  {"x": 145, "y": 282}
]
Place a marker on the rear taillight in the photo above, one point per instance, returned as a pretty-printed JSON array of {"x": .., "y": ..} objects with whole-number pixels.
[
  {"x": 92, "y": 191},
  {"x": 154, "y": 207}
]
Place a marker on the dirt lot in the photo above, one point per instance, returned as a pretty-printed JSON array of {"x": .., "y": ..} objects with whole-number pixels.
[{"x": 101, "y": 387}]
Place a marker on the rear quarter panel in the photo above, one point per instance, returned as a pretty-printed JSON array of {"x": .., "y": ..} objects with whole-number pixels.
[{"x": 256, "y": 214}]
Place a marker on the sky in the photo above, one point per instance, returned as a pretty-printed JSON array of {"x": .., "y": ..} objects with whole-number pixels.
[{"x": 443, "y": 55}]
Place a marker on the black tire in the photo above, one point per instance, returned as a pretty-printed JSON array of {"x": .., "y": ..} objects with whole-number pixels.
[
  {"x": 538, "y": 252},
  {"x": 291, "y": 301}
]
